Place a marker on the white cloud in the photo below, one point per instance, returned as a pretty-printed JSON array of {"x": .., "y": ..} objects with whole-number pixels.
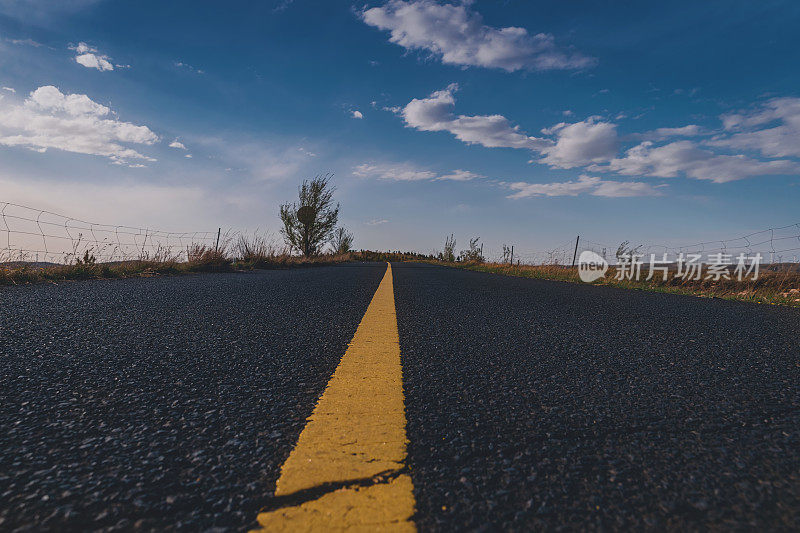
[
  {"x": 576, "y": 144},
  {"x": 584, "y": 185},
  {"x": 661, "y": 134},
  {"x": 177, "y": 144},
  {"x": 188, "y": 156},
  {"x": 684, "y": 157},
  {"x": 357, "y": 114},
  {"x": 28, "y": 42},
  {"x": 581, "y": 143},
  {"x": 73, "y": 123},
  {"x": 396, "y": 173},
  {"x": 493, "y": 131},
  {"x": 376, "y": 222},
  {"x": 10, "y": 89},
  {"x": 626, "y": 189},
  {"x": 460, "y": 175},
  {"x": 407, "y": 172},
  {"x": 90, "y": 58},
  {"x": 780, "y": 140},
  {"x": 94, "y": 61},
  {"x": 594, "y": 143},
  {"x": 458, "y": 36},
  {"x": 181, "y": 64}
]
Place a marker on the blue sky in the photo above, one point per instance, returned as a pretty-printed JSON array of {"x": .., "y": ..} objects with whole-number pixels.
[{"x": 519, "y": 122}]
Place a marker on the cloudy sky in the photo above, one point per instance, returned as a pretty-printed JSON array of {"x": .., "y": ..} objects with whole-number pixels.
[{"x": 521, "y": 122}]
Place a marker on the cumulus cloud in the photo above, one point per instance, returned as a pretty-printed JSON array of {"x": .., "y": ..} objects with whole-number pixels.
[
  {"x": 780, "y": 140},
  {"x": 407, "y": 172},
  {"x": 685, "y": 157},
  {"x": 581, "y": 143},
  {"x": 493, "y": 131},
  {"x": 457, "y": 35},
  {"x": 584, "y": 185},
  {"x": 10, "y": 89},
  {"x": 357, "y": 114},
  {"x": 73, "y": 123},
  {"x": 594, "y": 143},
  {"x": 576, "y": 144},
  {"x": 90, "y": 58},
  {"x": 177, "y": 144}
]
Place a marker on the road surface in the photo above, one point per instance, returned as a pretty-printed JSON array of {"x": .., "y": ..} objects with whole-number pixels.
[{"x": 214, "y": 402}]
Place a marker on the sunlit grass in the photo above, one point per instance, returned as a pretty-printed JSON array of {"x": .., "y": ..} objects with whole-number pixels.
[{"x": 772, "y": 287}]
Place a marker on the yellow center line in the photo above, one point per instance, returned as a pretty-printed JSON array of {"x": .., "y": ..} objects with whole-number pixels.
[{"x": 355, "y": 440}]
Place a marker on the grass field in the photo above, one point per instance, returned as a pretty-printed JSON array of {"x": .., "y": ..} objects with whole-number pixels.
[
  {"x": 772, "y": 287},
  {"x": 200, "y": 259}
]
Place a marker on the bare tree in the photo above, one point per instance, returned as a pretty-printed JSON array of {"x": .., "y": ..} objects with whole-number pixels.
[
  {"x": 309, "y": 223},
  {"x": 342, "y": 241}
]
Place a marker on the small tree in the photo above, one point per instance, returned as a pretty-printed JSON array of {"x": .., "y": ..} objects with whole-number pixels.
[
  {"x": 342, "y": 241},
  {"x": 449, "y": 254},
  {"x": 309, "y": 223},
  {"x": 474, "y": 252}
]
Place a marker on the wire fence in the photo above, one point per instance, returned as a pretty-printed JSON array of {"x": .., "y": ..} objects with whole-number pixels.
[
  {"x": 36, "y": 235},
  {"x": 776, "y": 245}
]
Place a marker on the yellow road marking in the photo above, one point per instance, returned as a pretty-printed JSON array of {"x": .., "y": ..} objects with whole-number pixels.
[{"x": 356, "y": 433}]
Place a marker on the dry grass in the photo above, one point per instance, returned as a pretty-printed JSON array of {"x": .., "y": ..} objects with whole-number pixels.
[
  {"x": 772, "y": 287},
  {"x": 248, "y": 253},
  {"x": 200, "y": 259},
  {"x": 18, "y": 275},
  {"x": 234, "y": 253}
]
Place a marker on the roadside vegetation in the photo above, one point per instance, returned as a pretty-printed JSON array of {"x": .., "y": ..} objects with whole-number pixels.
[
  {"x": 309, "y": 233},
  {"x": 253, "y": 254},
  {"x": 772, "y": 287},
  {"x": 310, "y": 238}
]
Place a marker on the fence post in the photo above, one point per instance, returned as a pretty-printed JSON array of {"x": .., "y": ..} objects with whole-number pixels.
[
  {"x": 575, "y": 255},
  {"x": 216, "y": 248},
  {"x": 512, "y": 255}
]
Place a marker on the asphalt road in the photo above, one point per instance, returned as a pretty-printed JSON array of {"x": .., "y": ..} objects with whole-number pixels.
[
  {"x": 164, "y": 403},
  {"x": 546, "y": 405},
  {"x": 171, "y": 403}
]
